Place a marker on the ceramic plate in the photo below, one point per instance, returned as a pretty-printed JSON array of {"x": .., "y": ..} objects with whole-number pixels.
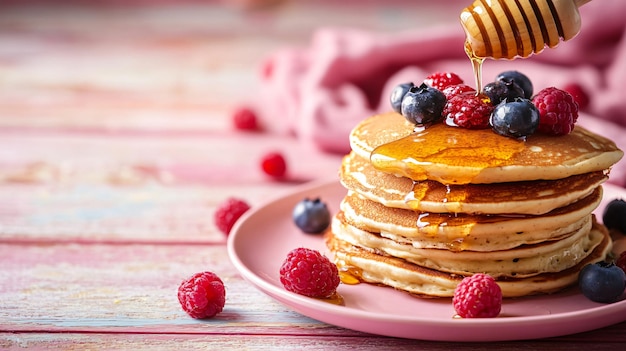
[{"x": 261, "y": 240}]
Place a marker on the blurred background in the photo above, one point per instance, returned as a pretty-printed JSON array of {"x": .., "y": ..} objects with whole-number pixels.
[{"x": 113, "y": 64}]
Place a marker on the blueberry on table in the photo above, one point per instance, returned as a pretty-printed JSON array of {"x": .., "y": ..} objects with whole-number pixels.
[
  {"x": 614, "y": 215},
  {"x": 311, "y": 216},
  {"x": 397, "y": 94},
  {"x": 518, "y": 78},
  {"x": 423, "y": 105},
  {"x": 516, "y": 118},
  {"x": 602, "y": 282}
]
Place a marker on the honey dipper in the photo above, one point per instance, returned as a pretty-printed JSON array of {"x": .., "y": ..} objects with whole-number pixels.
[{"x": 518, "y": 28}]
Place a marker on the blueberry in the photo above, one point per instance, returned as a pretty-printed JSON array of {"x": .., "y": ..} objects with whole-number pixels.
[
  {"x": 311, "y": 216},
  {"x": 602, "y": 282},
  {"x": 500, "y": 90},
  {"x": 423, "y": 104},
  {"x": 518, "y": 78},
  {"x": 516, "y": 118},
  {"x": 397, "y": 94},
  {"x": 614, "y": 216}
]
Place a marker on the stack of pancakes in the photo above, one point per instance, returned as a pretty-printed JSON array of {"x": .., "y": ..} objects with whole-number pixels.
[{"x": 424, "y": 208}]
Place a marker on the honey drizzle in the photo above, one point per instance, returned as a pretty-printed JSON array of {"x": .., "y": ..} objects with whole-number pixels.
[
  {"x": 477, "y": 67},
  {"x": 412, "y": 156}
]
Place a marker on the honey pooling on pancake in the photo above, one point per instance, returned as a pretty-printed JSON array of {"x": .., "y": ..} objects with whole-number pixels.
[{"x": 411, "y": 156}]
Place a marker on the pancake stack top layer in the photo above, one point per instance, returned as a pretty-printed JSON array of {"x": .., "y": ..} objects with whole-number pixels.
[{"x": 427, "y": 207}]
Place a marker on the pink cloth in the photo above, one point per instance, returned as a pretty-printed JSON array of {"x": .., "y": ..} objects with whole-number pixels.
[{"x": 319, "y": 93}]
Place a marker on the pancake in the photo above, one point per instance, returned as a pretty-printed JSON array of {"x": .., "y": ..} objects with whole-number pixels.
[
  {"x": 523, "y": 261},
  {"x": 370, "y": 267},
  {"x": 460, "y": 156},
  {"x": 427, "y": 206},
  {"x": 529, "y": 197},
  {"x": 463, "y": 232}
]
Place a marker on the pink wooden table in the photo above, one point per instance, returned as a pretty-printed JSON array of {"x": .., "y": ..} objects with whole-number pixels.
[{"x": 116, "y": 145}]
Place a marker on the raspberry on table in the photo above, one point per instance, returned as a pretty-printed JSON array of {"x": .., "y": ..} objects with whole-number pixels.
[
  {"x": 478, "y": 296},
  {"x": 579, "y": 94},
  {"x": 228, "y": 212},
  {"x": 202, "y": 295},
  {"x": 558, "y": 112},
  {"x": 453, "y": 90},
  {"x": 441, "y": 80},
  {"x": 307, "y": 272},
  {"x": 244, "y": 118},
  {"x": 468, "y": 110},
  {"x": 274, "y": 165}
]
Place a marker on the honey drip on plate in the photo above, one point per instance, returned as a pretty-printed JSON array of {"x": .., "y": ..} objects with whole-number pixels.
[
  {"x": 348, "y": 278},
  {"x": 335, "y": 299}
]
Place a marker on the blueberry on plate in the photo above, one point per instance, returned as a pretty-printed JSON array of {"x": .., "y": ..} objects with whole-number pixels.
[
  {"x": 311, "y": 216},
  {"x": 515, "y": 118},
  {"x": 518, "y": 78},
  {"x": 614, "y": 215},
  {"x": 397, "y": 94},
  {"x": 423, "y": 104},
  {"x": 602, "y": 282},
  {"x": 500, "y": 90}
]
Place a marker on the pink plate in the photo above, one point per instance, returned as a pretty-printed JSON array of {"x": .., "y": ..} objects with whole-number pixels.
[{"x": 260, "y": 242}]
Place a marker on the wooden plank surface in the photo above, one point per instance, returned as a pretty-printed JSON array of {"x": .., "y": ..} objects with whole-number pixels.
[{"x": 116, "y": 146}]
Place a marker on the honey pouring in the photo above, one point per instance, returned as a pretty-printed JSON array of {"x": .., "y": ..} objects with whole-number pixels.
[{"x": 508, "y": 29}]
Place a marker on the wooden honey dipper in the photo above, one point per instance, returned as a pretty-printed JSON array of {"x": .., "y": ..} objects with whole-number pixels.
[{"x": 505, "y": 29}]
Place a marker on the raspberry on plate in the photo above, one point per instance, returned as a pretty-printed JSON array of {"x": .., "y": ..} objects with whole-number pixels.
[
  {"x": 478, "y": 296},
  {"x": 274, "y": 165},
  {"x": 441, "y": 80},
  {"x": 307, "y": 272},
  {"x": 468, "y": 110},
  {"x": 558, "y": 111},
  {"x": 202, "y": 295},
  {"x": 228, "y": 212}
]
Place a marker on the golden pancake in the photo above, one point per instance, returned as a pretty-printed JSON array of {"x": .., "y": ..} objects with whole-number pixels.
[
  {"x": 452, "y": 155},
  {"x": 462, "y": 231},
  {"x": 529, "y": 197},
  {"x": 370, "y": 267},
  {"x": 522, "y": 261}
]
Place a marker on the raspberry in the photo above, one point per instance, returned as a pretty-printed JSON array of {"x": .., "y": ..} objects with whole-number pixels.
[
  {"x": 621, "y": 261},
  {"x": 202, "y": 295},
  {"x": 441, "y": 80},
  {"x": 558, "y": 111},
  {"x": 245, "y": 119},
  {"x": 228, "y": 213},
  {"x": 468, "y": 110},
  {"x": 478, "y": 296},
  {"x": 579, "y": 94},
  {"x": 453, "y": 90},
  {"x": 274, "y": 165},
  {"x": 307, "y": 272}
]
